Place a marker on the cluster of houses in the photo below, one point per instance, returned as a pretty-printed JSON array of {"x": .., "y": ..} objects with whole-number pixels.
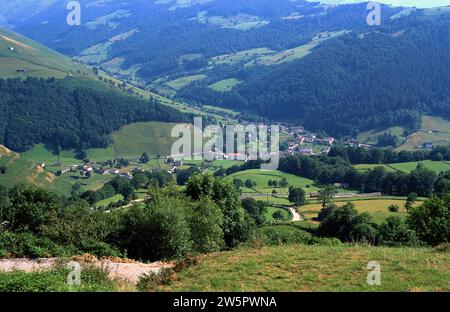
[
  {"x": 88, "y": 170},
  {"x": 174, "y": 163},
  {"x": 356, "y": 143},
  {"x": 303, "y": 140}
]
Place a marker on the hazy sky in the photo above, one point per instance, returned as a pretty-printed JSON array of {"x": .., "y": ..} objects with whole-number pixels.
[{"x": 417, "y": 3}]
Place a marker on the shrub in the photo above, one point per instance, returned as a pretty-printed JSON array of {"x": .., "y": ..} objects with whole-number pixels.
[
  {"x": 431, "y": 220},
  {"x": 278, "y": 215},
  {"x": 443, "y": 247},
  {"x": 150, "y": 281},
  {"x": 79, "y": 227},
  {"x": 158, "y": 230},
  {"x": 395, "y": 232},
  {"x": 283, "y": 234},
  {"x": 237, "y": 227},
  {"x": 28, "y": 245},
  {"x": 393, "y": 208},
  {"x": 205, "y": 221},
  {"x": 30, "y": 208},
  {"x": 326, "y": 241},
  {"x": 256, "y": 209},
  {"x": 93, "y": 279},
  {"x": 346, "y": 224}
]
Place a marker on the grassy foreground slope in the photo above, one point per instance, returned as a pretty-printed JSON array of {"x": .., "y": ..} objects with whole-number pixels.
[{"x": 316, "y": 268}]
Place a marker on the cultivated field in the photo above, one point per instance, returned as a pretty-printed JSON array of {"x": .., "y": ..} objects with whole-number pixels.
[{"x": 377, "y": 208}]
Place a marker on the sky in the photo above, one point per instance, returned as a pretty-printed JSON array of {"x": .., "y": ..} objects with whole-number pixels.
[{"x": 416, "y": 3}]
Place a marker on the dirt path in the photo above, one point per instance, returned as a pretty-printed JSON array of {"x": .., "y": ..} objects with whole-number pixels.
[
  {"x": 129, "y": 271},
  {"x": 295, "y": 215}
]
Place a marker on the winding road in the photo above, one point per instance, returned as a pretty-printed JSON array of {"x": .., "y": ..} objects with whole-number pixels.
[{"x": 295, "y": 214}]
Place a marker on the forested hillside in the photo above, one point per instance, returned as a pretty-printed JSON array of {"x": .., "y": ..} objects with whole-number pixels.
[{"x": 43, "y": 111}]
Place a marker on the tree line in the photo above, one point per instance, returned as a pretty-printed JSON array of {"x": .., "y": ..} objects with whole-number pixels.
[
  {"x": 328, "y": 170},
  {"x": 362, "y": 155}
]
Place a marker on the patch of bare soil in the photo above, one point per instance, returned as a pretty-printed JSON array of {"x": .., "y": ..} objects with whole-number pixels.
[{"x": 123, "y": 269}]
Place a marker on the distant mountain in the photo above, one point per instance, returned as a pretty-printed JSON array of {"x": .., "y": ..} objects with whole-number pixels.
[
  {"x": 403, "y": 3},
  {"x": 153, "y": 39},
  {"x": 299, "y": 61}
]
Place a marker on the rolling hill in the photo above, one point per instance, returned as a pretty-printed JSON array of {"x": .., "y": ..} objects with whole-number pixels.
[
  {"x": 22, "y": 57},
  {"x": 14, "y": 170}
]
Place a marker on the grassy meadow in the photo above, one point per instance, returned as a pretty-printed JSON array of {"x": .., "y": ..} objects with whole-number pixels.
[
  {"x": 368, "y": 167},
  {"x": 262, "y": 177},
  {"x": 435, "y": 130},
  {"x": 182, "y": 82},
  {"x": 225, "y": 85},
  {"x": 371, "y": 137},
  {"x": 17, "y": 52},
  {"x": 271, "y": 210},
  {"x": 436, "y": 166}
]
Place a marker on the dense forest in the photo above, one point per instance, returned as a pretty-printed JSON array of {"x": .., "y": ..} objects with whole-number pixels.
[{"x": 42, "y": 111}]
